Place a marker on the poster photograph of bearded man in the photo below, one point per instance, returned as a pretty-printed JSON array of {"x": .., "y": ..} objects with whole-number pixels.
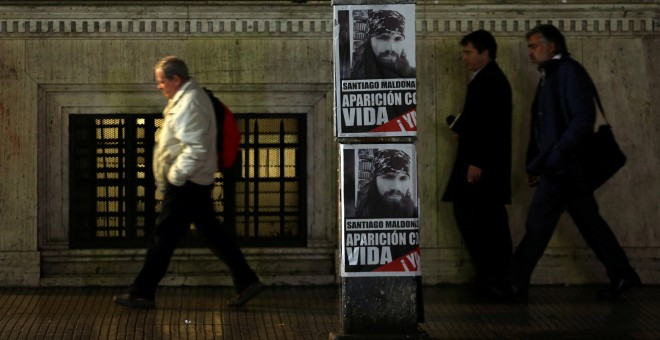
[
  {"x": 379, "y": 181},
  {"x": 377, "y": 42},
  {"x": 375, "y": 70},
  {"x": 380, "y": 216}
]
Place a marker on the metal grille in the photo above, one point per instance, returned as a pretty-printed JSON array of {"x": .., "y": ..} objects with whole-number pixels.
[
  {"x": 270, "y": 192},
  {"x": 113, "y": 202}
]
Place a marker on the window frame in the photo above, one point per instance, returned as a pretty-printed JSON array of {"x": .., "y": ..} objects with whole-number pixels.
[{"x": 101, "y": 219}]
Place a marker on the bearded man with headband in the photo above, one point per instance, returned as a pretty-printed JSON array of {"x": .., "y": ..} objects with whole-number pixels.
[
  {"x": 389, "y": 190},
  {"x": 382, "y": 55}
]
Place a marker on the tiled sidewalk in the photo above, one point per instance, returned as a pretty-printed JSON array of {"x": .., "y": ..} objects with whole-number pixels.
[{"x": 451, "y": 312}]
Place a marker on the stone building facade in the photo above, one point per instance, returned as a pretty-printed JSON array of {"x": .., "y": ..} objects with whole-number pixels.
[{"x": 59, "y": 58}]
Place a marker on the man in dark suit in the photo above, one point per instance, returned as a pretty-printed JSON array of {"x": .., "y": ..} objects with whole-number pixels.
[
  {"x": 480, "y": 183},
  {"x": 563, "y": 117}
]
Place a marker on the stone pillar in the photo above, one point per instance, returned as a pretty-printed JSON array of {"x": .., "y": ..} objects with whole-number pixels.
[
  {"x": 375, "y": 116},
  {"x": 380, "y": 308}
]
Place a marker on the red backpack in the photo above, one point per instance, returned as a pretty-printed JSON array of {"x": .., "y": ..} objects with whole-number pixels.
[{"x": 228, "y": 138}]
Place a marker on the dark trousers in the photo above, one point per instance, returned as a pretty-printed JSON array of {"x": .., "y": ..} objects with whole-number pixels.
[
  {"x": 190, "y": 203},
  {"x": 554, "y": 195},
  {"x": 484, "y": 226}
]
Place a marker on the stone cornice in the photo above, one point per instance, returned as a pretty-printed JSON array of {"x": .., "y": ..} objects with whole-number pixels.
[
  {"x": 608, "y": 19},
  {"x": 231, "y": 21}
]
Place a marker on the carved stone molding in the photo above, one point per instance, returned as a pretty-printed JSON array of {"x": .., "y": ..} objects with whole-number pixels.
[
  {"x": 312, "y": 21},
  {"x": 515, "y": 26},
  {"x": 509, "y": 19},
  {"x": 167, "y": 26}
]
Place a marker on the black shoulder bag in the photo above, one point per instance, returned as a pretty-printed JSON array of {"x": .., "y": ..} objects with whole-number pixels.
[{"x": 600, "y": 156}]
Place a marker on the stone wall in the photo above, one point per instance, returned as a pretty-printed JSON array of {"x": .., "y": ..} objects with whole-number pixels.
[{"x": 58, "y": 58}]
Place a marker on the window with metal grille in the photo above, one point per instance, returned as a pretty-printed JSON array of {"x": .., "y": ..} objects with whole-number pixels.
[{"x": 112, "y": 198}]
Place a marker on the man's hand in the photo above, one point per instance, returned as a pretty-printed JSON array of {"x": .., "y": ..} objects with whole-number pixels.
[
  {"x": 474, "y": 174},
  {"x": 532, "y": 181}
]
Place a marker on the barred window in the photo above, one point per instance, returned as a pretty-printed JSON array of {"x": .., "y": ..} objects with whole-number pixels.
[{"x": 113, "y": 202}]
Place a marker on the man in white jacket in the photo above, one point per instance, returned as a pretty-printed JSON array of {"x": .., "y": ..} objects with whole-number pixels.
[{"x": 184, "y": 167}]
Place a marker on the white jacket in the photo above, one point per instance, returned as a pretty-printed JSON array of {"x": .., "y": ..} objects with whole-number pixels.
[{"x": 185, "y": 144}]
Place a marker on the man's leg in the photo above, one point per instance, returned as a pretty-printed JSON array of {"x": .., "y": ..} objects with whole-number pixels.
[
  {"x": 599, "y": 236},
  {"x": 542, "y": 217},
  {"x": 497, "y": 234},
  {"x": 484, "y": 227},
  {"x": 221, "y": 243},
  {"x": 171, "y": 226},
  {"x": 466, "y": 216}
]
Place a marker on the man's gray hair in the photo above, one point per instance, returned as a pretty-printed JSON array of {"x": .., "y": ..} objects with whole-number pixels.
[
  {"x": 173, "y": 66},
  {"x": 551, "y": 34}
]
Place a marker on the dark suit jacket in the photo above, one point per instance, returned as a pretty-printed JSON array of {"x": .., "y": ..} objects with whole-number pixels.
[
  {"x": 484, "y": 139},
  {"x": 563, "y": 116}
]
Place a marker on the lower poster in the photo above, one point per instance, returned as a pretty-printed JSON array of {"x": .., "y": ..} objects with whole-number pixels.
[{"x": 380, "y": 210}]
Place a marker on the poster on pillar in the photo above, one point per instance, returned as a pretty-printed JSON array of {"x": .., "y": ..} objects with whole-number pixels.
[
  {"x": 375, "y": 74},
  {"x": 380, "y": 210}
]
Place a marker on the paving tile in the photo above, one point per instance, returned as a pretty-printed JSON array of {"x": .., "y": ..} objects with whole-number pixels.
[{"x": 451, "y": 312}]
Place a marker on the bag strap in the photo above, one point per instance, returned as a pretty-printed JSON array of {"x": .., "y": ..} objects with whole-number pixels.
[{"x": 597, "y": 97}]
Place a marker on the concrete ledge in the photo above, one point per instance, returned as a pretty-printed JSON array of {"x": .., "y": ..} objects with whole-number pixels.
[
  {"x": 20, "y": 269},
  {"x": 198, "y": 267},
  {"x": 567, "y": 266},
  {"x": 189, "y": 267}
]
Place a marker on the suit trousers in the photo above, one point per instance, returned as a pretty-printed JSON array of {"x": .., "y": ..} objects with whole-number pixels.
[
  {"x": 190, "y": 203},
  {"x": 484, "y": 226},
  {"x": 554, "y": 195}
]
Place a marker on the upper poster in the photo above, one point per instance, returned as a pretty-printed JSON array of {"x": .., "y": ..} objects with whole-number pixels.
[{"x": 375, "y": 76}]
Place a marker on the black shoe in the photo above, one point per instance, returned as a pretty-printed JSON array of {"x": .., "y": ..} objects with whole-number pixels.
[
  {"x": 129, "y": 300},
  {"x": 246, "y": 295},
  {"x": 508, "y": 292},
  {"x": 619, "y": 287}
]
